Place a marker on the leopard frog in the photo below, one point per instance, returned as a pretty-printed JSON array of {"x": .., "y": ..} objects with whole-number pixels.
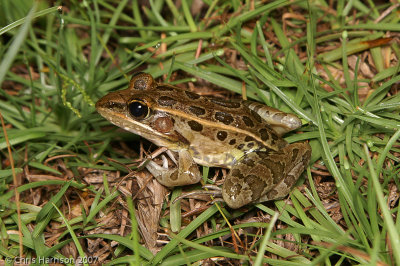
[{"x": 243, "y": 136}]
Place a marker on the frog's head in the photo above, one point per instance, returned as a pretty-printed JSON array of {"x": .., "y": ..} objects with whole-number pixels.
[{"x": 136, "y": 110}]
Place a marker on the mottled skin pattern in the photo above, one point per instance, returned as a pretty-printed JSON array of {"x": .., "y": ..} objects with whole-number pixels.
[{"x": 243, "y": 136}]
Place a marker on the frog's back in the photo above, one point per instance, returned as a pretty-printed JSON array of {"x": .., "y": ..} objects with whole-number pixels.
[{"x": 231, "y": 121}]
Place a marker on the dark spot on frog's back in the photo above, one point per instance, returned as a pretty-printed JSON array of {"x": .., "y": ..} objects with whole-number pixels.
[
  {"x": 232, "y": 142},
  {"x": 197, "y": 110},
  {"x": 195, "y": 125},
  {"x": 250, "y": 145},
  {"x": 256, "y": 116},
  {"x": 264, "y": 134},
  {"x": 237, "y": 173},
  {"x": 192, "y": 95},
  {"x": 255, "y": 184},
  {"x": 248, "y": 161},
  {"x": 166, "y": 101},
  {"x": 240, "y": 146},
  {"x": 247, "y": 121},
  {"x": 224, "y": 117},
  {"x": 225, "y": 103},
  {"x": 221, "y": 135},
  {"x": 248, "y": 139}
]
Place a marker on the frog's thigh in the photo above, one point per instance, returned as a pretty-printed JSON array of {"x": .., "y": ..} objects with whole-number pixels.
[
  {"x": 250, "y": 178},
  {"x": 262, "y": 176},
  {"x": 299, "y": 154},
  {"x": 186, "y": 173}
]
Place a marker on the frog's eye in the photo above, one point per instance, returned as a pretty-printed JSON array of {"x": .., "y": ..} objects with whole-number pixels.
[{"x": 138, "y": 109}]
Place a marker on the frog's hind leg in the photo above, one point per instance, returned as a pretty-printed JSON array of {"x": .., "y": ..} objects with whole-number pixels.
[
  {"x": 262, "y": 176},
  {"x": 300, "y": 154}
]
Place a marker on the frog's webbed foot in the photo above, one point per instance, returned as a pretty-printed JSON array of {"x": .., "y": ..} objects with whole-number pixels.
[
  {"x": 262, "y": 176},
  {"x": 186, "y": 173}
]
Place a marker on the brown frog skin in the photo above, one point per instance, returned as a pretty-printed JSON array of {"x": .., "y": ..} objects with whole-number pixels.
[{"x": 243, "y": 136}]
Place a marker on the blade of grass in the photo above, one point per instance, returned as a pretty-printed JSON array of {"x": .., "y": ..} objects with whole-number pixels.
[
  {"x": 23, "y": 20},
  {"x": 138, "y": 18},
  {"x": 188, "y": 16},
  {"x": 384, "y": 153},
  {"x": 135, "y": 233},
  {"x": 16, "y": 44},
  {"x": 6, "y": 196},
  {"x": 73, "y": 235},
  {"x": 387, "y": 216},
  {"x": 341, "y": 185},
  {"x": 45, "y": 211},
  {"x": 184, "y": 233},
  {"x": 264, "y": 240},
  {"x": 102, "y": 204},
  {"x": 176, "y": 211}
]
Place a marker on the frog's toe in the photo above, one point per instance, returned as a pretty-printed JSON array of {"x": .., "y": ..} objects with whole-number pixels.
[
  {"x": 162, "y": 174},
  {"x": 186, "y": 173}
]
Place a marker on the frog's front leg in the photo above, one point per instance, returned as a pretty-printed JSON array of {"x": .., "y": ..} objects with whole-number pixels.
[
  {"x": 186, "y": 173},
  {"x": 265, "y": 175}
]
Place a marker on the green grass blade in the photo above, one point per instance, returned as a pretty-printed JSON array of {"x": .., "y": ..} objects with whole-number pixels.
[
  {"x": 73, "y": 235},
  {"x": 387, "y": 216},
  {"x": 16, "y": 44}
]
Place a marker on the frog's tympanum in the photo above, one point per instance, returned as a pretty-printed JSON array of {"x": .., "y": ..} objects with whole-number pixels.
[{"x": 244, "y": 136}]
